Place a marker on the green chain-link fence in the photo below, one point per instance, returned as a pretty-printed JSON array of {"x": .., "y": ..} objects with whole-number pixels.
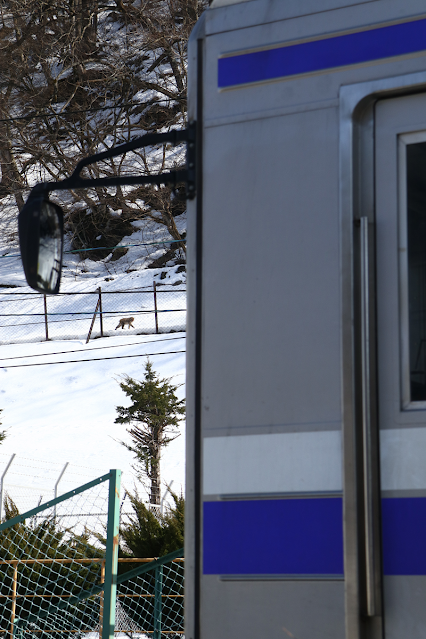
[
  {"x": 59, "y": 579},
  {"x": 152, "y": 597}
]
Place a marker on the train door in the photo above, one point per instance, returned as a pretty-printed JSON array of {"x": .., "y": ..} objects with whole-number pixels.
[{"x": 400, "y": 179}]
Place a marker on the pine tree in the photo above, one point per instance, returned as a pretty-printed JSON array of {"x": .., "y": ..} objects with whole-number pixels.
[
  {"x": 154, "y": 417},
  {"x": 153, "y": 535}
]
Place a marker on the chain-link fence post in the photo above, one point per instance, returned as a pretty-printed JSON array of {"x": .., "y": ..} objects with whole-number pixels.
[
  {"x": 55, "y": 490},
  {"x": 46, "y": 326},
  {"x": 158, "y": 601},
  {"x": 155, "y": 307},
  {"x": 111, "y": 555},
  {"x": 93, "y": 322},
  {"x": 101, "y": 321}
]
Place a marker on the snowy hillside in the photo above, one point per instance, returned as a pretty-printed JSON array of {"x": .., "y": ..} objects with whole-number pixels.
[
  {"x": 80, "y": 85},
  {"x": 56, "y": 412}
]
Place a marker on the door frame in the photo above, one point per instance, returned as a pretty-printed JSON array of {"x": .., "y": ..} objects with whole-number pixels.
[{"x": 357, "y": 195}]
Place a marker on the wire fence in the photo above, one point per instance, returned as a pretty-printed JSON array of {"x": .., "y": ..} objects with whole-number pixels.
[
  {"x": 27, "y": 483},
  {"x": 57, "y": 566},
  {"x": 31, "y": 317},
  {"x": 151, "y": 602},
  {"x": 47, "y": 561}
]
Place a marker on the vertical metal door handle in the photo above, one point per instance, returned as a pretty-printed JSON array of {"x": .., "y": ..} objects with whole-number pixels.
[{"x": 366, "y": 421}]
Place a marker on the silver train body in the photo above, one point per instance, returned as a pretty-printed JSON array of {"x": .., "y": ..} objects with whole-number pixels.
[{"x": 306, "y": 455}]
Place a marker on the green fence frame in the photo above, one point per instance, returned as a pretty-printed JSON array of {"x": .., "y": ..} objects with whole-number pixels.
[
  {"x": 157, "y": 567},
  {"x": 158, "y": 608},
  {"x": 111, "y": 555},
  {"x": 112, "y": 580}
]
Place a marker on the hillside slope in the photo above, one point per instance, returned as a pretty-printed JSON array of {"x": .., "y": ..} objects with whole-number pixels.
[{"x": 64, "y": 412}]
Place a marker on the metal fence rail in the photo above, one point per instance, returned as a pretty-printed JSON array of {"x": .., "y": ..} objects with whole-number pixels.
[{"x": 31, "y": 317}]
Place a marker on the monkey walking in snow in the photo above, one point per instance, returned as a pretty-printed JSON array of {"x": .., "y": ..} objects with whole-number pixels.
[{"x": 124, "y": 321}]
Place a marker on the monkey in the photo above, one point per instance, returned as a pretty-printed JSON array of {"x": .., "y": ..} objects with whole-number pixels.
[{"x": 124, "y": 321}]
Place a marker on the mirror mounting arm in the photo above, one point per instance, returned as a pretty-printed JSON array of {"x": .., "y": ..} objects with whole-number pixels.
[
  {"x": 41, "y": 222},
  {"x": 75, "y": 181}
]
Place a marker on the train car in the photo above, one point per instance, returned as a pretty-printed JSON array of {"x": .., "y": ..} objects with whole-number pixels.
[{"x": 306, "y": 480}]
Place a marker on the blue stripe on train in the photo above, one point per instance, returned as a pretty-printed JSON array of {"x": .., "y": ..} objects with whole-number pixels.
[
  {"x": 319, "y": 55},
  {"x": 305, "y": 537},
  {"x": 404, "y": 535},
  {"x": 292, "y": 536}
]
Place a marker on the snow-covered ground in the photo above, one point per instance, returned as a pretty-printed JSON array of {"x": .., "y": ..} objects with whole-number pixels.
[
  {"x": 56, "y": 412},
  {"x": 146, "y": 244}
]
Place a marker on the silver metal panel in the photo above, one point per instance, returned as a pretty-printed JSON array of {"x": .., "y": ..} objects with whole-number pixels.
[
  {"x": 261, "y": 144},
  {"x": 263, "y": 355},
  {"x": 404, "y": 600},
  {"x": 245, "y": 14},
  {"x": 272, "y": 609}
]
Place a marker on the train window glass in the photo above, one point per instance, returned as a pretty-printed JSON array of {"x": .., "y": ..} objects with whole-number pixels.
[{"x": 416, "y": 267}]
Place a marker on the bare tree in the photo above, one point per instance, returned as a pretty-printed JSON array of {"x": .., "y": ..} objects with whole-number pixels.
[{"x": 77, "y": 79}]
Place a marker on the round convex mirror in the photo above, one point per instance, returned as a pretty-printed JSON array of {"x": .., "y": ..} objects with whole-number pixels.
[{"x": 50, "y": 248}]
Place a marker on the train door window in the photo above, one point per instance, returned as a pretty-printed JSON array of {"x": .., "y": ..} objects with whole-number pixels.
[{"x": 412, "y": 244}]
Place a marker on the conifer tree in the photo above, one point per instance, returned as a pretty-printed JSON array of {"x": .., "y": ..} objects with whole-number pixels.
[
  {"x": 154, "y": 416},
  {"x": 153, "y": 535}
]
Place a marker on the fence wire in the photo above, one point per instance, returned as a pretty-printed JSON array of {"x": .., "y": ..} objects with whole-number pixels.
[{"x": 31, "y": 317}]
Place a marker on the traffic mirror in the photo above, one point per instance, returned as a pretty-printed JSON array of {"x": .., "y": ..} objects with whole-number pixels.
[{"x": 41, "y": 230}]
